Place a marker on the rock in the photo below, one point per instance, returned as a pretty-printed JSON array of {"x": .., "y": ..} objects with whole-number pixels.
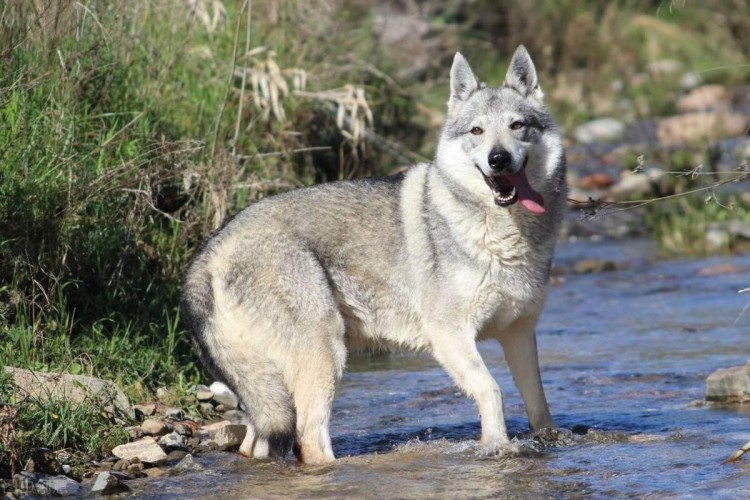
[
  {"x": 67, "y": 469},
  {"x": 601, "y": 130},
  {"x": 107, "y": 483},
  {"x": 134, "y": 432},
  {"x": 729, "y": 385},
  {"x": 154, "y": 472},
  {"x": 216, "y": 426},
  {"x": 236, "y": 416},
  {"x": 705, "y": 98},
  {"x": 40, "y": 484},
  {"x": 165, "y": 396},
  {"x": 145, "y": 410},
  {"x": 172, "y": 441},
  {"x": 204, "y": 395},
  {"x": 188, "y": 464},
  {"x": 175, "y": 413},
  {"x": 135, "y": 470},
  {"x": 229, "y": 437},
  {"x": 146, "y": 450},
  {"x": 120, "y": 465},
  {"x": 154, "y": 427},
  {"x": 206, "y": 408},
  {"x": 176, "y": 456},
  {"x": 690, "y": 80},
  {"x": 587, "y": 266},
  {"x": 185, "y": 428},
  {"x": 193, "y": 442},
  {"x": 224, "y": 395},
  {"x": 78, "y": 388},
  {"x": 700, "y": 127}
]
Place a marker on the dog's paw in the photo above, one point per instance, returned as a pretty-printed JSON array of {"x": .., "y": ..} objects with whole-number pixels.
[{"x": 513, "y": 448}]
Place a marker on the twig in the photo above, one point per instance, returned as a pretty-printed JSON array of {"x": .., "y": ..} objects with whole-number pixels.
[
  {"x": 229, "y": 81},
  {"x": 244, "y": 79},
  {"x": 738, "y": 454}
]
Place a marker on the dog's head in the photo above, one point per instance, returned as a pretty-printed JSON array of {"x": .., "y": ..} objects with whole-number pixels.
[{"x": 505, "y": 134}]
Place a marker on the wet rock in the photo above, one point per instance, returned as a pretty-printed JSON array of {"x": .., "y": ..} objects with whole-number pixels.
[
  {"x": 204, "y": 395},
  {"x": 78, "y": 388},
  {"x": 224, "y": 396},
  {"x": 36, "y": 483},
  {"x": 188, "y": 464},
  {"x": 729, "y": 385},
  {"x": 145, "y": 410},
  {"x": 224, "y": 435},
  {"x": 600, "y": 130},
  {"x": 699, "y": 127},
  {"x": 107, "y": 483},
  {"x": 147, "y": 450},
  {"x": 155, "y": 472},
  {"x": 588, "y": 266},
  {"x": 172, "y": 441},
  {"x": 154, "y": 427},
  {"x": 176, "y": 456},
  {"x": 705, "y": 98},
  {"x": 135, "y": 470}
]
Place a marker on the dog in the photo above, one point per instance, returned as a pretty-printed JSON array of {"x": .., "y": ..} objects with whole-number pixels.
[{"x": 444, "y": 255}]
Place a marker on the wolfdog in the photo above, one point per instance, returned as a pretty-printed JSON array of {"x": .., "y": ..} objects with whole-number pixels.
[{"x": 435, "y": 259}]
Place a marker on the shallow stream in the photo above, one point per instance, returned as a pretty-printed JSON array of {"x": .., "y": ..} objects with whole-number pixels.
[{"x": 624, "y": 357}]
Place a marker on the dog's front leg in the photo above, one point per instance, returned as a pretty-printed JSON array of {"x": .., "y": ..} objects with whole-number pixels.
[
  {"x": 519, "y": 344},
  {"x": 458, "y": 354}
]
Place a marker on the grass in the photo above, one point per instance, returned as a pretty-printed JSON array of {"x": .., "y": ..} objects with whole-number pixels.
[{"x": 126, "y": 137}]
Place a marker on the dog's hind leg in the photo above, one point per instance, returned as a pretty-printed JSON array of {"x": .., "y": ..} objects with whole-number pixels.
[
  {"x": 314, "y": 385},
  {"x": 519, "y": 344}
]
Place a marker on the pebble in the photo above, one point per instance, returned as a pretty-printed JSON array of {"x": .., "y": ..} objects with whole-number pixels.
[
  {"x": 154, "y": 427},
  {"x": 120, "y": 465},
  {"x": 145, "y": 410},
  {"x": 204, "y": 395},
  {"x": 729, "y": 384},
  {"x": 40, "y": 484},
  {"x": 172, "y": 441},
  {"x": 107, "y": 483},
  {"x": 224, "y": 395},
  {"x": 155, "y": 472},
  {"x": 175, "y": 413},
  {"x": 146, "y": 449},
  {"x": 183, "y": 429},
  {"x": 229, "y": 437},
  {"x": 176, "y": 455},
  {"x": 134, "y": 432}
]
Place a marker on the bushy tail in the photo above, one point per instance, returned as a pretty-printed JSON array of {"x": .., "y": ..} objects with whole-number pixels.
[{"x": 254, "y": 378}]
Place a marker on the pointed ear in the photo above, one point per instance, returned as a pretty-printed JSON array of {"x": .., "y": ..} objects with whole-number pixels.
[
  {"x": 521, "y": 75},
  {"x": 463, "y": 81}
]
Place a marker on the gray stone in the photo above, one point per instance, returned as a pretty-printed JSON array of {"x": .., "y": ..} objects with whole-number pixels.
[
  {"x": 172, "y": 441},
  {"x": 165, "y": 396},
  {"x": 206, "y": 408},
  {"x": 145, "y": 410},
  {"x": 204, "y": 395},
  {"x": 147, "y": 450},
  {"x": 176, "y": 455},
  {"x": 229, "y": 437},
  {"x": 40, "y": 484},
  {"x": 188, "y": 464},
  {"x": 600, "y": 130},
  {"x": 78, "y": 388},
  {"x": 135, "y": 432},
  {"x": 729, "y": 384},
  {"x": 183, "y": 429},
  {"x": 107, "y": 483},
  {"x": 154, "y": 427},
  {"x": 224, "y": 395},
  {"x": 175, "y": 413}
]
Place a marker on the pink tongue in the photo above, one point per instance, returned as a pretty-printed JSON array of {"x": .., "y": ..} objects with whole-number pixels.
[{"x": 533, "y": 201}]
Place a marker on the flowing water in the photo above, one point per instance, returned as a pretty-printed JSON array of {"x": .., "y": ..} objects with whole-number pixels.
[{"x": 624, "y": 358}]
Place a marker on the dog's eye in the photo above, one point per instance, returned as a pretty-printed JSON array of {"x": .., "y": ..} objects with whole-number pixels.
[
  {"x": 516, "y": 125},
  {"x": 477, "y": 131}
]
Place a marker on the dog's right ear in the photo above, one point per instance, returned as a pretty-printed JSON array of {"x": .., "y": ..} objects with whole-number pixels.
[{"x": 463, "y": 81}]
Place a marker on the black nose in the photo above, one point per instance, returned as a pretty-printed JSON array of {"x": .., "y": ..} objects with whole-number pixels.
[{"x": 500, "y": 159}]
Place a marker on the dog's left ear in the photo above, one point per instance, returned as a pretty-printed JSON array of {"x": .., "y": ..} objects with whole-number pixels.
[
  {"x": 463, "y": 82},
  {"x": 521, "y": 75}
]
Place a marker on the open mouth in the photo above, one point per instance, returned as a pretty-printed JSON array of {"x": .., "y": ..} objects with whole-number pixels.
[{"x": 507, "y": 189}]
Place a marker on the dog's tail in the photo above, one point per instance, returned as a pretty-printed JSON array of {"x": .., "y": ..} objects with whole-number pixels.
[{"x": 253, "y": 377}]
